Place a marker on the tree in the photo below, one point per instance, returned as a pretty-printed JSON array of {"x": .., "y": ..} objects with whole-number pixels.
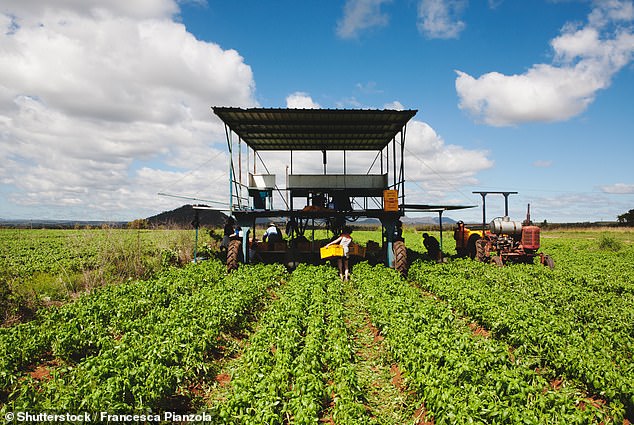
[
  {"x": 627, "y": 218},
  {"x": 140, "y": 223}
]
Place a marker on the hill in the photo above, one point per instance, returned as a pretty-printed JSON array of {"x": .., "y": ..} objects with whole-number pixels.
[
  {"x": 433, "y": 220},
  {"x": 184, "y": 216}
]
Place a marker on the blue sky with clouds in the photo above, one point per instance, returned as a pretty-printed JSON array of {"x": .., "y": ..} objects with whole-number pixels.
[{"x": 105, "y": 104}]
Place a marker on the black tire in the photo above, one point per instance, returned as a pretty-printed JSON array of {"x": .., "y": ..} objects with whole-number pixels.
[
  {"x": 549, "y": 262},
  {"x": 234, "y": 255},
  {"x": 481, "y": 251},
  {"x": 471, "y": 246},
  {"x": 400, "y": 257}
]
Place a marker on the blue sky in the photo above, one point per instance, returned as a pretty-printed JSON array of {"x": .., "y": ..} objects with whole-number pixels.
[{"x": 105, "y": 104}]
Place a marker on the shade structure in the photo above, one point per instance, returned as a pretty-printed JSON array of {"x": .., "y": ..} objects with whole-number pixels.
[{"x": 265, "y": 129}]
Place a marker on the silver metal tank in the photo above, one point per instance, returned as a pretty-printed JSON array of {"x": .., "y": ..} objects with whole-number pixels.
[{"x": 504, "y": 225}]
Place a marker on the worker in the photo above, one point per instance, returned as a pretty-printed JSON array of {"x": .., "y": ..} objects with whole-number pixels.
[
  {"x": 227, "y": 233},
  {"x": 292, "y": 229},
  {"x": 272, "y": 234},
  {"x": 432, "y": 246},
  {"x": 342, "y": 262},
  {"x": 254, "y": 255},
  {"x": 460, "y": 234}
]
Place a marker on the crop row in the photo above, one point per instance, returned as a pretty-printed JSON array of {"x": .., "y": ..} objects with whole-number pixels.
[
  {"x": 137, "y": 343},
  {"x": 79, "y": 329},
  {"x": 582, "y": 331},
  {"x": 300, "y": 359},
  {"x": 461, "y": 377}
]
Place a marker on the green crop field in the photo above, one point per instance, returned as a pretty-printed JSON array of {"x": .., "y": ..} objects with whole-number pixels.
[{"x": 453, "y": 343}]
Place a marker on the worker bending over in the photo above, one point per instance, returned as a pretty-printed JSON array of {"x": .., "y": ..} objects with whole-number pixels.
[{"x": 344, "y": 240}]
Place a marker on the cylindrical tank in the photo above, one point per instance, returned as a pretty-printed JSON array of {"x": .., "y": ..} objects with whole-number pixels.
[
  {"x": 530, "y": 237},
  {"x": 504, "y": 225}
]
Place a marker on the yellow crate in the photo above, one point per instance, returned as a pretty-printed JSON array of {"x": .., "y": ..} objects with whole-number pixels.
[{"x": 331, "y": 251}]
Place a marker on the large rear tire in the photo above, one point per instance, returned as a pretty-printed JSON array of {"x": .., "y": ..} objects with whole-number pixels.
[
  {"x": 471, "y": 246},
  {"x": 481, "y": 254},
  {"x": 400, "y": 257},
  {"x": 549, "y": 262},
  {"x": 234, "y": 255}
]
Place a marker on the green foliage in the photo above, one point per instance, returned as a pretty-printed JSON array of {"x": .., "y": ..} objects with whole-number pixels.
[
  {"x": 627, "y": 218},
  {"x": 463, "y": 378},
  {"x": 129, "y": 348},
  {"x": 54, "y": 265},
  {"x": 609, "y": 243},
  {"x": 300, "y": 355},
  {"x": 557, "y": 344},
  {"x": 574, "y": 321}
]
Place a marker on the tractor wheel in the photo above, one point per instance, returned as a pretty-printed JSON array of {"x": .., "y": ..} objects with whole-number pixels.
[
  {"x": 481, "y": 255},
  {"x": 234, "y": 255},
  {"x": 549, "y": 262},
  {"x": 400, "y": 257},
  {"x": 471, "y": 246},
  {"x": 497, "y": 260}
]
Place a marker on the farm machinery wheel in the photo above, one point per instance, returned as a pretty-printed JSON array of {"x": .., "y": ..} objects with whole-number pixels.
[
  {"x": 234, "y": 255},
  {"x": 400, "y": 257},
  {"x": 472, "y": 249},
  {"x": 548, "y": 262},
  {"x": 481, "y": 254}
]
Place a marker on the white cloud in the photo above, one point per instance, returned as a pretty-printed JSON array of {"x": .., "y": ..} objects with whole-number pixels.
[
  {"x": 436, "y": 166},
  {"x": 301, "y": 100},
  {"x": 396, "y": 105},
  {"x": 369, "y": 88},
  {"x": 619, "y": 188},
  {"x": 586, "y": 59},
  {"x": 34, "y": 10},
  {"x": 607, "y": 11},
  {"x": 89, "y": 91},
  {"x": 433, "y": 168},
  {"x": 359, "y": 15},
  {"x": 441, "y": 18},
  {"x": 542, "y": 163},
  {"x": 573, "y": 207},
  {"x": 494, "y": 4}
]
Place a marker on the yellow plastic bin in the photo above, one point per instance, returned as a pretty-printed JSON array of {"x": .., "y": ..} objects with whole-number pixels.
[{"x": 331, "y": 251}]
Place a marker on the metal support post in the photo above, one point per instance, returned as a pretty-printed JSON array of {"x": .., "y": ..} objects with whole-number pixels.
[{"x": 390, "y": 230}]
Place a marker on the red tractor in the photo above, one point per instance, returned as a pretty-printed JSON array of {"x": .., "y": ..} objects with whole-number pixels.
[{"x": 503, "y": 240}]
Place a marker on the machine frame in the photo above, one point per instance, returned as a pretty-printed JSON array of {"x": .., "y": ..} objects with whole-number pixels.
[{"x": 344, "y": 131}]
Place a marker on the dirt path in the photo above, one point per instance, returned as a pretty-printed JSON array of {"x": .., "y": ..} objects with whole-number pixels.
[{"x": 387, "y": 398}]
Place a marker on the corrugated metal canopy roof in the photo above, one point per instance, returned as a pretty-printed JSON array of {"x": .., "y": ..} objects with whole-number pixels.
[{"x": 314, "y": 129}]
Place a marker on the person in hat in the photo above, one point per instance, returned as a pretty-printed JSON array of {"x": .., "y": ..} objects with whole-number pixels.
[
  {"x": 272, "y": 234},
  {"x": 433, "y": 247}
]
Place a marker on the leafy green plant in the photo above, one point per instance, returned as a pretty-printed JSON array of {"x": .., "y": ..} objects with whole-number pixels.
[
  {"x": 609, "y": 243},
  {"x": 461, "y": 377}
]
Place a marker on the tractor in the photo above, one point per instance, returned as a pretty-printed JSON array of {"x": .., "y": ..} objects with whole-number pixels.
[{"x": 502, "y": 240}]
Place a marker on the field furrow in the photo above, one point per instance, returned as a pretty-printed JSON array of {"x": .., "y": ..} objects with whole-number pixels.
[
  {"x": 551, "y": 317},
  {"x": 158, "y": 353},
  {"x": 458, "y": 376}
]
